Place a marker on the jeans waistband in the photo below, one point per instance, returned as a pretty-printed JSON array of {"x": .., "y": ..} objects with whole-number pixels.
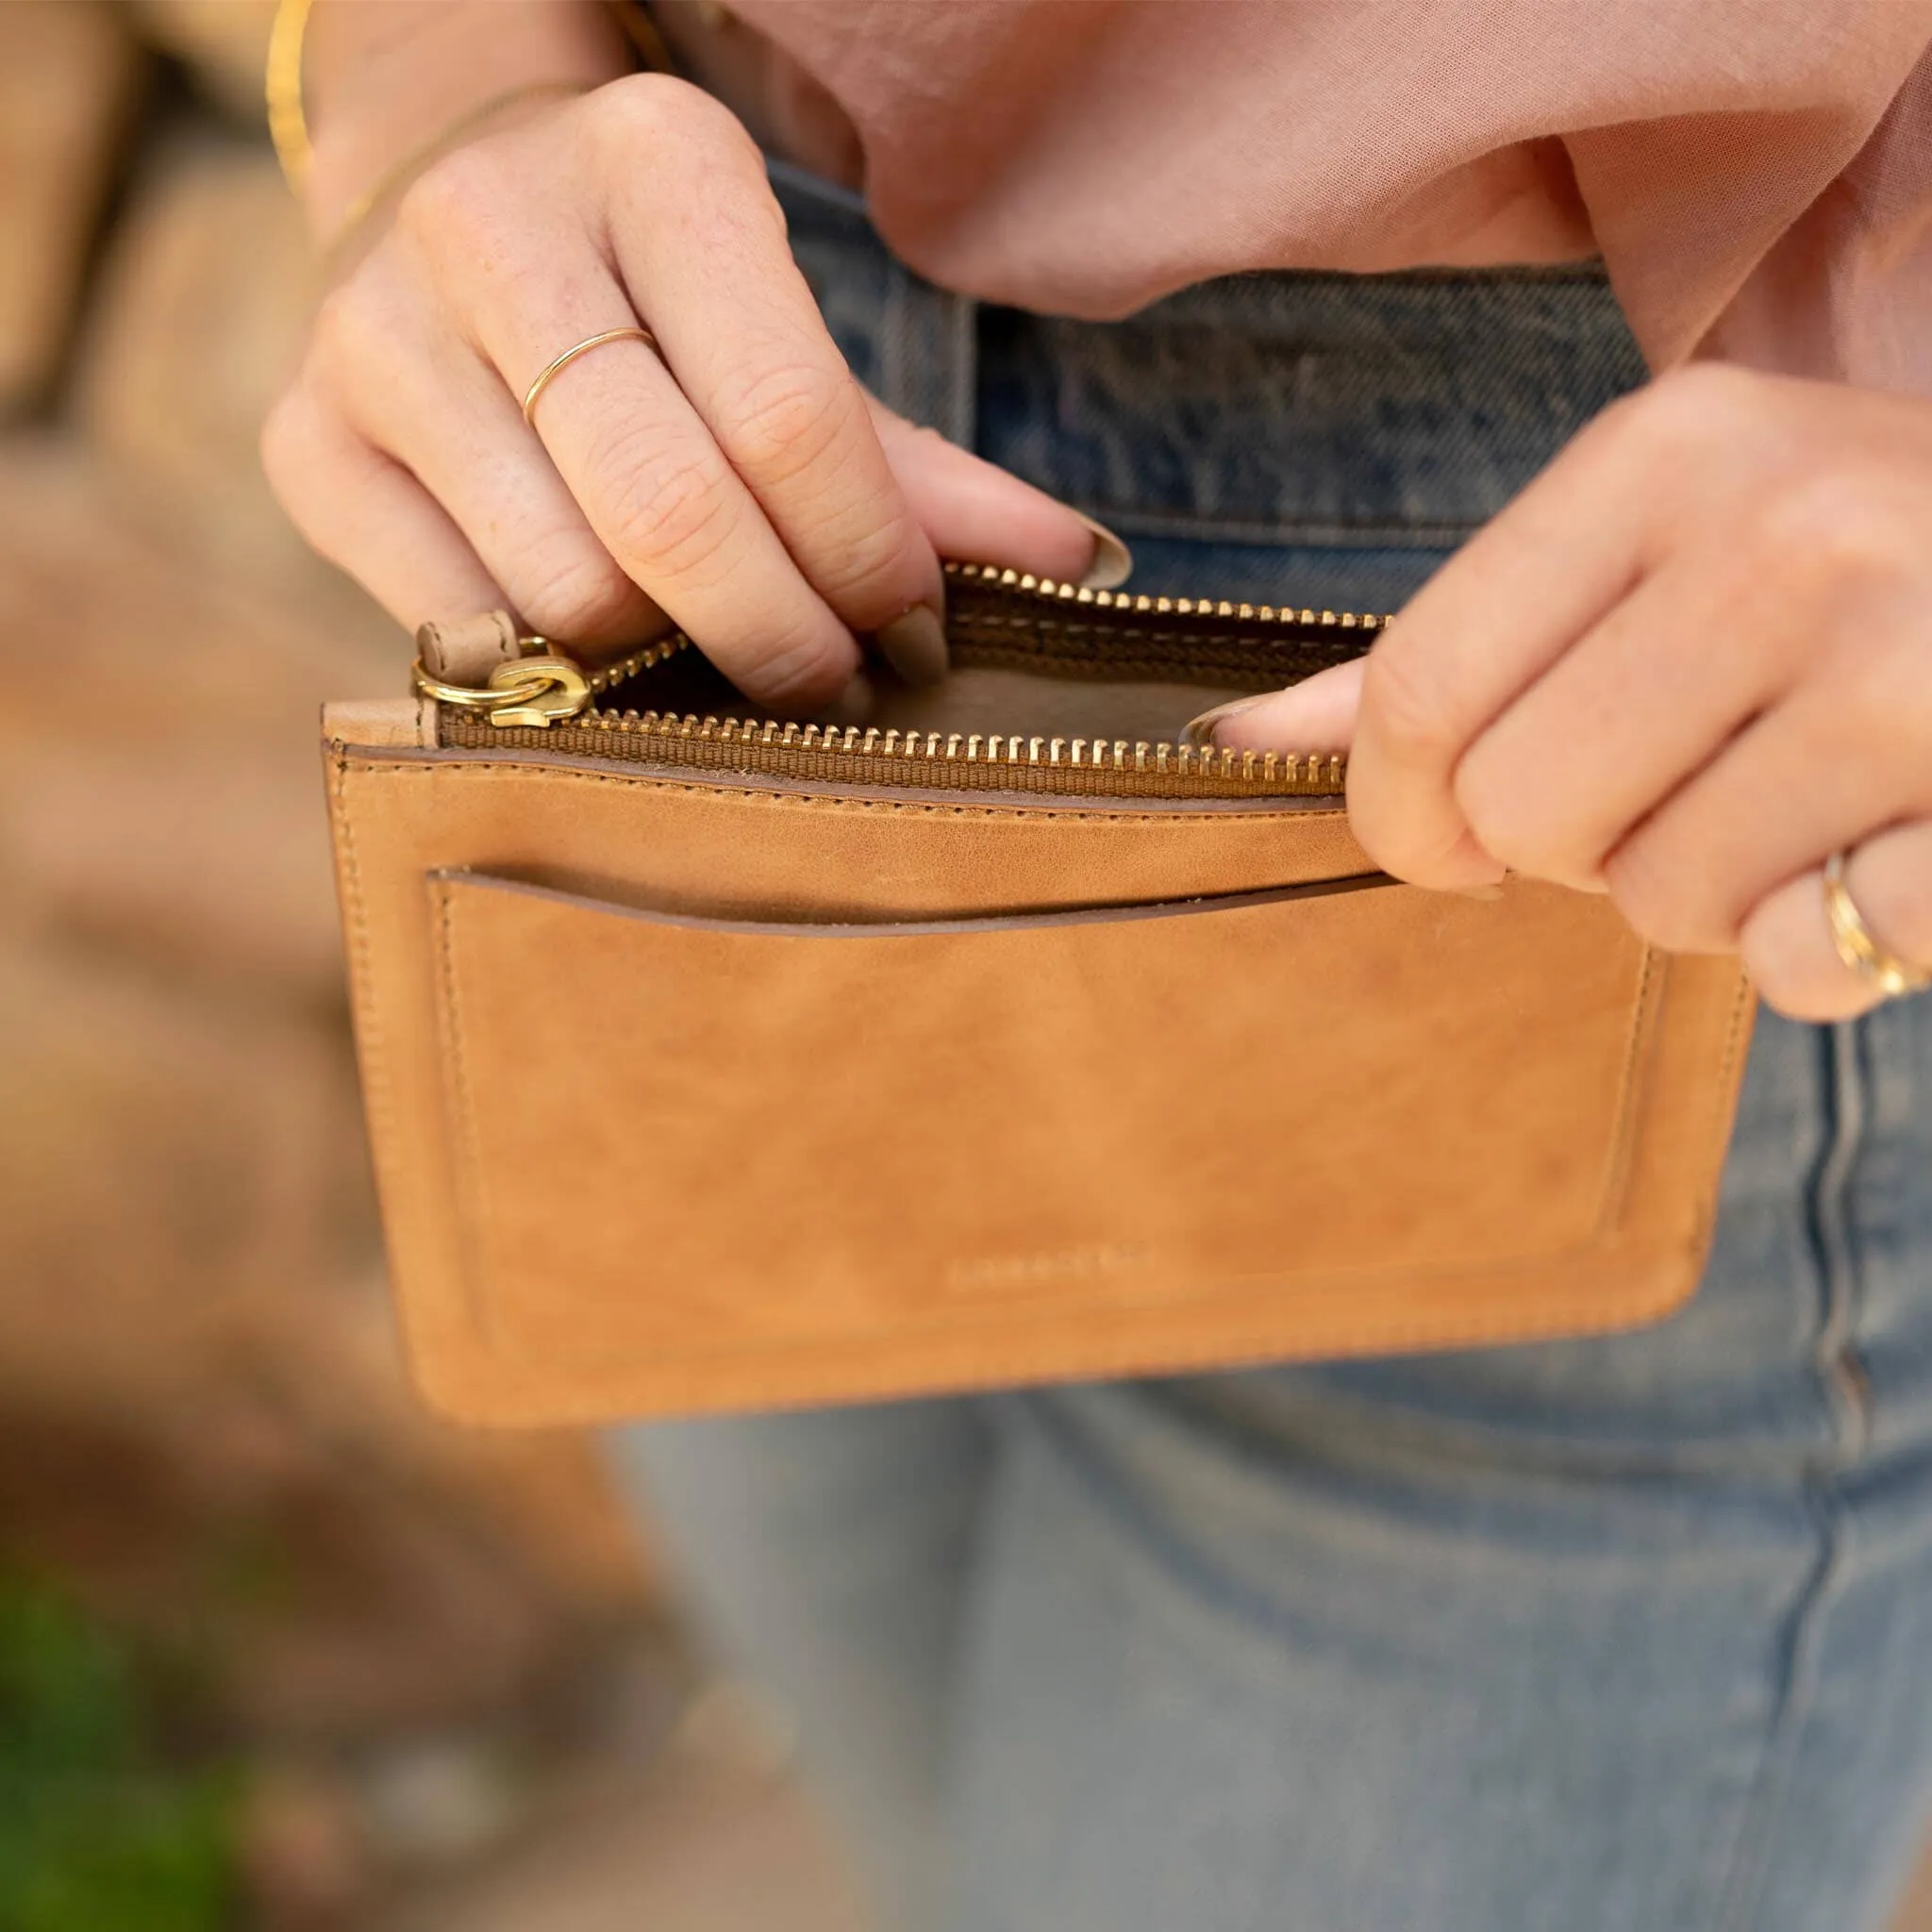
[{"x": 1265, "y": 407}]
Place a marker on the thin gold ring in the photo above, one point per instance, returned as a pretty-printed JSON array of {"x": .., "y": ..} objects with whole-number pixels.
[
  {"x": 551, "y": 371},
  {"x": 1858, "y": 948}
]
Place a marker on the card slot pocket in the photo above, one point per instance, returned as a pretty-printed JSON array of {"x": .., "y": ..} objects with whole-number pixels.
[
  {"x": 731, "y": 1156},
  {"x": 888, "y": 927}
]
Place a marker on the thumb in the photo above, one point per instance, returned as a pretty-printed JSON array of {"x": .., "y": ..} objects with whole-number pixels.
[
  {"x": 1315, "y": 716},
  {"x": 973, "y": 511}
]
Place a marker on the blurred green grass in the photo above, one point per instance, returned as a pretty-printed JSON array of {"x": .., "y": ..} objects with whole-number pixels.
[{"x": 101, "y": 1829}]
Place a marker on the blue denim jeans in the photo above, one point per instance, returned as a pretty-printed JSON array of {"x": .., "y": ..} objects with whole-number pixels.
[{"x": 1630, "y": 1634}]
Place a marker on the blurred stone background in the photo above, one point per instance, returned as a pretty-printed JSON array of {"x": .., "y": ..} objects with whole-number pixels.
[{"x": 422, "y": 1678}]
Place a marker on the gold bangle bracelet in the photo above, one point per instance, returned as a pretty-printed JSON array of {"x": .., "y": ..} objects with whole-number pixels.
[
  {"x": 634, "y": 22},
  {"x": 287, "y": 119},
  {"x": 288, "y": 126}
]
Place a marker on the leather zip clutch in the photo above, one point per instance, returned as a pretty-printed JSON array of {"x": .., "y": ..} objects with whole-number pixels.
[{"x": 715, "y": 1061}]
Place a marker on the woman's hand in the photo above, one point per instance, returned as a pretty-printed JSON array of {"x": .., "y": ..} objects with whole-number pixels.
[
  {"x": 740, "y": 482},
  {"x": 1687, "y": 664}
]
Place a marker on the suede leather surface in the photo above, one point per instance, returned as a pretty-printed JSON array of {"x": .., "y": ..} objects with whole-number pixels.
[{"x": 690, "y": 1096}]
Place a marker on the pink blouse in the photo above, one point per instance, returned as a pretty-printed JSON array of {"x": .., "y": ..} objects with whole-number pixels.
[{"x": 1756, "y": 174}]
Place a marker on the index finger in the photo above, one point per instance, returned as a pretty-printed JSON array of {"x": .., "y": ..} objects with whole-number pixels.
[
  {"x": 699, "y": 242},
  {"x": 752, "y": 352},
  {"x": 1496, "y": 616}
]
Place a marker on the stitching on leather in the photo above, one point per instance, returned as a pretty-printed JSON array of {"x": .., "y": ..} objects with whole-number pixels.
[
  {"x": 1624, "y": 1140},
  {"x": 1382, "y": 1338},
  {"x": 1501, "y": 1324},
  {"x": 1742, "y": 1006},
  {"x": 959, "y": 1334},
  {"x": 970, "y": 1366},
  {"x": 377, "y": 1099},
  {"x": 472, "y": 1201},
  {"x": 808, "y": 802}
]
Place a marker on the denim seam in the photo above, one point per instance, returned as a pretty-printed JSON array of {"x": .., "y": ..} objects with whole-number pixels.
[
  {"x": 1847, "y": 1402},
  {"x": 961, "y": 326},
  {"x": 894, "y": 380}
]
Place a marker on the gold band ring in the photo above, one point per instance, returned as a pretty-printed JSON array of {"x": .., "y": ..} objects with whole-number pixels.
[
  {"x": 1858, "y": 948},
  {"x": 551, "y": 371}
]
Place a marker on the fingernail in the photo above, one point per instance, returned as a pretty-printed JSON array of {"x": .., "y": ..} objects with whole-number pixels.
[
  {"x": 1199, "y": 732},
  {"x": 1486, "y": 894},
  {"x": 914, "y": 644},
  {"x": 1113, "y": 562}
]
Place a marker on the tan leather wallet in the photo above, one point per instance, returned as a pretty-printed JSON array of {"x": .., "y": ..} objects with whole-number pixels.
[{"x": 713, "y": 1064}]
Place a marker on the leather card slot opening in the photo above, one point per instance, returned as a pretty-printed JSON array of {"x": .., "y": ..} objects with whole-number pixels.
[
  {"x": 924, "y": 1127},
  {"x": 926, "y": 928}
]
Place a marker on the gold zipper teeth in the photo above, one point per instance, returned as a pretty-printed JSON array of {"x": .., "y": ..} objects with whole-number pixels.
[
  {"x": 1139, "y": 604},
  {"x": 930, "y": 760},
  {"x": 993, "y": 577},
  {"x": 1160, "y": 758},
  {"x": 624, "y": 669},
  {"x": 936, "y": 759}
]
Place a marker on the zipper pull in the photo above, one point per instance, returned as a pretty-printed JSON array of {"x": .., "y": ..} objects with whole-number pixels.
[
  {"x": 481, "y": 664},
  {"x": 532, "y": 692}
]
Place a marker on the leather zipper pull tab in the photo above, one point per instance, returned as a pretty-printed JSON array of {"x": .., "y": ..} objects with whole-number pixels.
[
  {"x": 469, "y": 649},
  {"x": 482, "y": 664}
]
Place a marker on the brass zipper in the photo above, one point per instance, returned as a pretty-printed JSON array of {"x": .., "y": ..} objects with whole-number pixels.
[{"x": 544, "y": 701}]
